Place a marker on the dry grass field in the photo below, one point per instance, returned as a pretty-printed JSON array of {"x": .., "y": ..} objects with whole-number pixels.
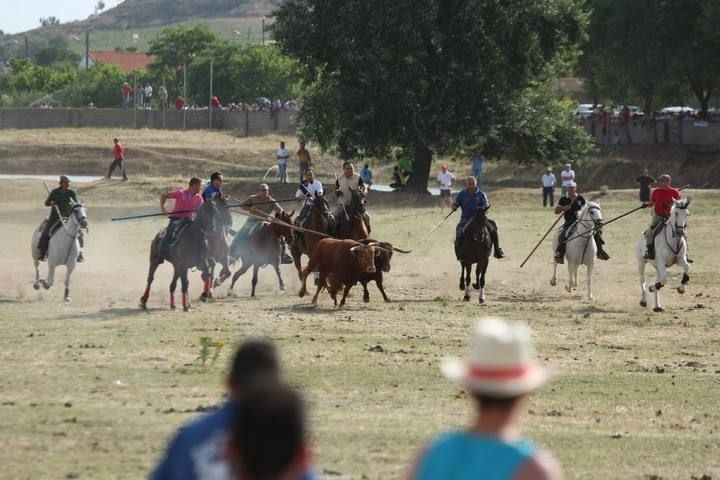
[{"x": 94, "y": 388}]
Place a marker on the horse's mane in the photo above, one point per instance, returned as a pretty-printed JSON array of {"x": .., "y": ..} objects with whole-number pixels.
[{"x": 682, "y": 204}]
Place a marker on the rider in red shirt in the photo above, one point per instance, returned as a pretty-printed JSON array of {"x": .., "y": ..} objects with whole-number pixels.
[{"x": 662, "y": 201}]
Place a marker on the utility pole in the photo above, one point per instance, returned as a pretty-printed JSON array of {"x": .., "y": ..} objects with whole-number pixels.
[
  {"x": 263, "y": 31},
  {"x": 211, "y": 95},
  {"x": 87, "y": 50},
  {"x": 135, "y": 99},
  {"x": 184, "y": 92},
  {"x": 27, "y": 50}
]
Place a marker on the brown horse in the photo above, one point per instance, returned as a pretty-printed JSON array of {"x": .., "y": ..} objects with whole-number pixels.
[
  {"x": 263, "y": 248},
  {"x": 351, "y": 224},
  {"x": 304, "y": 242},
  {"x": 218, "y": 251},
  {"x": 476, "y": 248},
  {"x": 190, "y": 251}
]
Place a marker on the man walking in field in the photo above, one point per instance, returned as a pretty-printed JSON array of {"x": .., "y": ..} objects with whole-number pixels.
[
  {"x": 304, "y": 160},
  {"x": 548, "y": 183},
  {"x": 118, "y": 160},
  {"x": 445, "y": 179},
  {"x": 282, "y": 156}
]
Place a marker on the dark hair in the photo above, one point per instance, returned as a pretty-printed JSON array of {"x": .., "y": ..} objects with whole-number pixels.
[
  {"x": 269, "y": 430},
  {"x": 254, "y": 359},
  {"x": 309, "y": 170},
  {"x": 484, "y": 401},
  {"x": 215, "y": 176},
  {"x": 194, "y": 181},
  {"x": 345, "y": 164}
]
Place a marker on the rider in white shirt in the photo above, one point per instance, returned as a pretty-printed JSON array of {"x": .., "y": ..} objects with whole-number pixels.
[{"x": 309, "y": 189}]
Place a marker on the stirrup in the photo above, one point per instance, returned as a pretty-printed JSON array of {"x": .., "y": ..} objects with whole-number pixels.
[{"x": 80, "y": 258}]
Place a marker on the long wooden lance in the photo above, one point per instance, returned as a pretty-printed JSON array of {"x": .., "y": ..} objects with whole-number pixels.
[
  {"x": 436, "y": 227},
  {"x": 616, "y": 218},
  {"x": 271, "y": 219},
  {"x": 148, "y": 215}
]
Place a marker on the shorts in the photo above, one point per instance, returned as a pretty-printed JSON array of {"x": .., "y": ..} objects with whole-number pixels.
[{"x": 445, "y": 194}]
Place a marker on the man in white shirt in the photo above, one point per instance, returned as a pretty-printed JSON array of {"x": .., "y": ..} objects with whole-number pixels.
[
  {"x": 309, "y": 189},
  {"x": 567, "y": 177},
  {"x": 282, "y": 158},
  {"x": 548, "y": 184},
  {"x": 445, "y": 179},
  {"x": 345, "y": 185}
]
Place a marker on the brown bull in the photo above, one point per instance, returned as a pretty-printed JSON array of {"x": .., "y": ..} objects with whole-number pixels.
[
  {"x": 382, "y": 264},
  {"x": 340, "y": 263}
]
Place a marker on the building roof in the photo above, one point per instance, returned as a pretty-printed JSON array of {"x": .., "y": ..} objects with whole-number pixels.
[{"x": 127, "y": 61}]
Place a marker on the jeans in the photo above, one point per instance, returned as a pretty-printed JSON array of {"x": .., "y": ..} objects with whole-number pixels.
[
  {"x": 282, "y": 172},
  {"x": 548, "y": 196},
  {"x": 118, "y": 162},
  {"x": 125, "y": 102},
  {"x": 301, "y": 170}
]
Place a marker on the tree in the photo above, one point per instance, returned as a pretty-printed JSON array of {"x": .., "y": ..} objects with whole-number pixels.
[
  {"x": 57, "y": 57},
  {"x": 99, "y": 7},
  {"x": 99, "y": 84},
  {"x": 423, "y": 75},
  {"x": 47, "y": 21}
]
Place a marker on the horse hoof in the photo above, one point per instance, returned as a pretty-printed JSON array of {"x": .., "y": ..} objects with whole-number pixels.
[
  {"x": 643, "y": 303},
  {"x": 481, "y": 300},
  {"x": 568, "y": 289},
  {"x": 46, "y": 286},
  {"x": 186, "y": 309},
  {"x": 143, "y": 304},
  {"x": 476, "y": 286},
  {"x": 466, "y": 298},
  {"x": 36, "y": 286},
  {"x": 173, "y": 307},
  {"x": 658, "y": 309},
  {"x": 553, "y": 282},
  {"x": 681, "y": 289},
  {"x": 203, "y": 297},
  {"x": 68, "y": 300},
  {"x": 283, "y": 288},
  {"x": 651, "y": 288},
  {"x": 366, "y": 298},
  {"x": 462, "y": 286}
]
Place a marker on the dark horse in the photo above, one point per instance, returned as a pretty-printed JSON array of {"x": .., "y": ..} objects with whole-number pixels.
[
  {"x": 304, "y": 242},
  {"x": 476, "y": 248},
  {"x": 352, "y": 226},
  {"x": 263, "y": 248},
  {"x": 218, "y": 251},
  {"x": 190, "y": 251}
]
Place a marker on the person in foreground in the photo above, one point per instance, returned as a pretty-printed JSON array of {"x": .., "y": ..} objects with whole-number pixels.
[
  {"x": 500, "y": 373},
  {"x": 200, "y": 450},
  {"x": 269, "y": 435}
]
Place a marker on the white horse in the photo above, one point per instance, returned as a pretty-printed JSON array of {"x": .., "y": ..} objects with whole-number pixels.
[
  {"x": 581, "y": 248},
  {"x": 62, "y": 249},
  {"x": 670, "y": 248}
]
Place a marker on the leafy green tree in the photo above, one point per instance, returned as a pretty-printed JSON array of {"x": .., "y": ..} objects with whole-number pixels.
[
  {"x": 48, "y": 21},
  {"x": 26, "y": 76},
  {"x": 423, "y": 75},
  {"x": 57, "y": 57},
  {"x": 99, "y": 84}
]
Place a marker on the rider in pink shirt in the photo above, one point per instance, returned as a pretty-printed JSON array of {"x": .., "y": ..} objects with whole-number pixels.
[{"x": 187, "y": 201}]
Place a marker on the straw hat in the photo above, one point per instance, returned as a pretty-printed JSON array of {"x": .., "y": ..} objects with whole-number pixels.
[{"x": 501, "y": 362}]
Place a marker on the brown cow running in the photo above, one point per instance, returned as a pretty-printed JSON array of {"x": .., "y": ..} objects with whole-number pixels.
[
  {"x": 340, "y": 262},
  {"x": 382, "y": 264}
]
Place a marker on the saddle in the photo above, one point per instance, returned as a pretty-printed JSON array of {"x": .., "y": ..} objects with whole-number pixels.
[
  {"x": 54, "y": 228},
  {"x": 658, "y": 228}
]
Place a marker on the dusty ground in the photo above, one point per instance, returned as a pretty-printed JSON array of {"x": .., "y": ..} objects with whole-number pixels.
[{"x": 94, "y": 388}]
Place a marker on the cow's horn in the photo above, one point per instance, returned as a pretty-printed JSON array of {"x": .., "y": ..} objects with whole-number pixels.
[
  {"x": 355, "y": 248},
  {"x": 375, "y": 247},
  {"x": 400, "y": 250}
]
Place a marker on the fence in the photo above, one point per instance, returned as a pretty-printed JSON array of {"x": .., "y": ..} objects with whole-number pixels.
[
  {"x": 245, "y": 123},
  {"x": 673, "y": 131}
]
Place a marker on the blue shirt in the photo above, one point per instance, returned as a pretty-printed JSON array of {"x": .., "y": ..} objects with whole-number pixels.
[
  {"x": 366, "y": 175},
  {"x": 470, "y": 203},
  {"x": 199, "y": 450},
  {"x": 477, "y": 162},
  {"x": 469, "y": 456},
  {"x": 211, "y": 191}
]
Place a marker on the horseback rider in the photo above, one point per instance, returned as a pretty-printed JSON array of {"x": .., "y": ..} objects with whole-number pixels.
[
  {"x": 570, "y": 206},
  {"x": 213, "y": 190},
  {"x": 261, "y": 204},
  {"x": 187, "y": 201},
  {"x": 470, "y": 200},
  {"x": 63, "y": 198},
  {"x": 308, "y": 189},
  {"x": 345, "y": 185},
  {"x": 662, "y": 200}
]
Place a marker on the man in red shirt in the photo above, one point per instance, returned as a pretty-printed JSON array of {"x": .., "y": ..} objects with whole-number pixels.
[
  {"x": 662, "y": 201},
  {"x": 119, "y": 160},
  {"x": 125, "y": 90}
]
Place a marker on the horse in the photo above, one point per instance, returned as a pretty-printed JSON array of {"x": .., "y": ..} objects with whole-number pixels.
[
  {"x": 670, "y": 248},
  {"x": 351, "y": 225},
  {"x": 263, "y": 248},
  {"x": 476, "y": 247},
  {"x": 217, "y": 251},
  {"x": 190, "y": 251},
  {"x": 304, "y": 242},
  {"x": 581, "y": 248},
  {"x": 62, "y": 249}
]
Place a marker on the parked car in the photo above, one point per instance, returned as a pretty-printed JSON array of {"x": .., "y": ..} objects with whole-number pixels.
[
  {"x": 585, "y": 110},
  {"x": 678, "y": 110}
]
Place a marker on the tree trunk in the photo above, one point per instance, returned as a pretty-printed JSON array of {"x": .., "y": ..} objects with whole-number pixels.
[{"x": 422, "y": 161}]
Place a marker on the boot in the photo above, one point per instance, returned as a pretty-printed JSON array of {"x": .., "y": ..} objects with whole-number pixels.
[
  {"x": 458, "y": 250},
  {"x": 650, "y": 253},
  {"x": 602, "y": 254},
  {"x": 560, "y": 254},
  {"x": 496, "y": 245},
  {"x": 43, "y": 245},
  {"x": 80, "y": 257}
]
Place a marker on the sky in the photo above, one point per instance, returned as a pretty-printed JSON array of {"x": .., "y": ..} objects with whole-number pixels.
[{"x": 20, "y": 15}]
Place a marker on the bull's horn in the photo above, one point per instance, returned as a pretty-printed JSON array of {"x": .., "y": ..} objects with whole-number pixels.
[
  {"x": 375, "y": 247},
  {"x": 400, "y": 250},
  {"x": 372, "y": 244},
  {"x": 356, "y": 248}
]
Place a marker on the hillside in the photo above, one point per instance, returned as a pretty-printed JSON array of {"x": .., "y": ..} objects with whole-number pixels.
[{"x": 133, "y": 23}]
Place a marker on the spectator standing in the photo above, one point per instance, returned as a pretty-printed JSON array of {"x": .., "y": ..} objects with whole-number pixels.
[
  {"x": 304, "y": 160},
  {"x": 138, "y": 95},
  {"x": 567, "y": 177},
  {"x": 179, "y": 103},
  {"x": 500, "y": 373},
  {"x": 215, "y": 102},
  {"x": 398, "y": 181},
  {"x": 367, "y": 176},
  {"x": 445, "y": 179},
  {"x": 645, "y": 181},
  {"x": 476, "y": 165},
  {"x": 147, "y": 94},
  {"x": 125, "y": 90},
  {"x": 163, "y": 94},
  {"x": 604, "y": 124},
  {"x": 282, "y": 156},
  {"x": 118, "y": 160},
  {"x": 548, "y": 183}
]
